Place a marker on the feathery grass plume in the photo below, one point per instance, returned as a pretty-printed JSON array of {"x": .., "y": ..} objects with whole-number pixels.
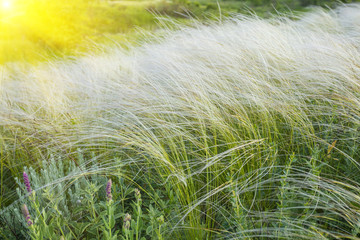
[
  {"x": 26, "y": 214},
  {"x": 108, "y": 190},
  {"x": 27, "y": 182},
  {"x": 213, "y": 112}
]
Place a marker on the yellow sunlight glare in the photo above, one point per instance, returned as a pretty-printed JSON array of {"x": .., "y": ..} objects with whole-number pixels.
[{"x": 6, "y": 4}]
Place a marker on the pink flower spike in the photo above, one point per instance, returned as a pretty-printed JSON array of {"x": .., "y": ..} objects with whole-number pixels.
[
  {"x": 26, "y": 214},
  {"x": 27, "y": 182}
]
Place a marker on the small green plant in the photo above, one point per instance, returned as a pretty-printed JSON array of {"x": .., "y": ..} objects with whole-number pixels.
[
  {"x": 98, "y": 208},
  {"x": 110, "y": 212}
]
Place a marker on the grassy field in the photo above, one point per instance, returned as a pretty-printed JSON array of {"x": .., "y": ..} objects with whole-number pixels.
[
  {"x": 240, "y": 128},
  {"x": 71, "y": 28}
]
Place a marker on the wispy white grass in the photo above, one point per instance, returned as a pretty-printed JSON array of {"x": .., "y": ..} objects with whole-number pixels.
[{"x": 208, "y": 108}]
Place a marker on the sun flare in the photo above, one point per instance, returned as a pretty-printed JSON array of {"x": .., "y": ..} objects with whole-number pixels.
[{"x": 6, "y": 4}]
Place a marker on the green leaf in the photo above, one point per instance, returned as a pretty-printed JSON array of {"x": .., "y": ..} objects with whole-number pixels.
[
  {"x": 148, "y": 229},
  {"x": 106, "y": 235},
  {"x": 105, "y": 223},
  {"x": 133, "y": 224},
  {"x": 111, "y": 221}
]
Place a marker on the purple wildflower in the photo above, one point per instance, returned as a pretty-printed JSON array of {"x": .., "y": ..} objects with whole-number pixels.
[
  {"x": 108, "y": 190},
  {"x": 26, "y": 214},
  {"x": 27, "y": 182}
]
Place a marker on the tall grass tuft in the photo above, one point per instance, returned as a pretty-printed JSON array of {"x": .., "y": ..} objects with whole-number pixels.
[{"x": 245, "y": 129}]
